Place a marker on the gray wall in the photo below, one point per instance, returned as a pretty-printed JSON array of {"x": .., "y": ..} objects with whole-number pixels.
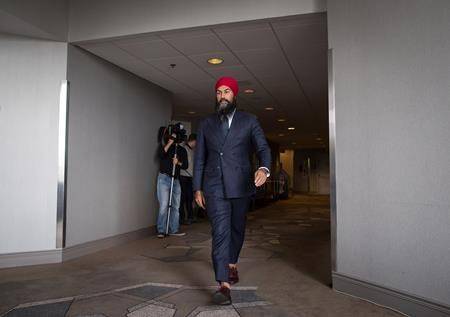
[
  {"x": 94, "y": 19},
  {"x": 114, "y": 118},
  {"x": 31, "y": 72},
  {"x": 392, "y": 75}
]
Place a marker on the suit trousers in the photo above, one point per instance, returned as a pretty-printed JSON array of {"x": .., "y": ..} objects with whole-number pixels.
[{"x": 228, "y": 219}]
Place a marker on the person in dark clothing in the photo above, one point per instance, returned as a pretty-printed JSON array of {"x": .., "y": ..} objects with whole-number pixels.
[
  {"x": 167, "y": 159},
  {"x": 187, "y": 194}
]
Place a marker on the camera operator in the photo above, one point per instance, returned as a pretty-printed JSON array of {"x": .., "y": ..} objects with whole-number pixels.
[{"x": 168, "y": 158}]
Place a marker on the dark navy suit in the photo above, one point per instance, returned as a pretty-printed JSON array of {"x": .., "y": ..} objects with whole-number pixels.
[{"x": 223, "y": 171}]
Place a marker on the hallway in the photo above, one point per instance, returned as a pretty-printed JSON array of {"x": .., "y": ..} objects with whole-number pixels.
[{"x": 284, "y": 268}]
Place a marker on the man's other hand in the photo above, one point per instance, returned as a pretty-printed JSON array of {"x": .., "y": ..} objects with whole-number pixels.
[
  {"x": 175, "y": 161},
  {"x": 200, "y": 199},
  {"x": 260, "y": 177}
]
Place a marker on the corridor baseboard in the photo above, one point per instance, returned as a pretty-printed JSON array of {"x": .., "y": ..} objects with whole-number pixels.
[
  {"x": 30, "y": 258},
  {"x": 78, "y": 250},
  {"x": 60, "y": 255},
  {"x": 394, "y": 299}
]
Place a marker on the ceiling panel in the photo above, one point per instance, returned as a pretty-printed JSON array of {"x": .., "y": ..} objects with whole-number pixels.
[
  {"x": 131, "y": 40},
  {"x": 173, "y": 34},
  {"x": 311, "y": 26},
  {"x": 109, "y": 51},
  {"x": 277, "y": 68},
  {"x": 250, "y": 39},
  {"x": 297, "y": 45},
  {"x": 149, "y": 49},
  {"x": 260, "y": 56},
  {"x": 197, "y": 45},
  {"x": 239, "y": 27},
  {"x": 239, "y": 72},
  {"x": 185, "y": 70},
  {"x": 314, "y": 79},
  {"x": 205, "y": 88},
  {"x": 169, "y": 84}
]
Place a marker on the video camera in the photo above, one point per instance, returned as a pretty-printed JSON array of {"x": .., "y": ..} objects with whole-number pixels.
[{"x": 175, "y": 132}]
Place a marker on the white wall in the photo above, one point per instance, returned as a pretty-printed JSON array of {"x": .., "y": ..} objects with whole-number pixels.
[
  {"x": 31, "y": 72},
  {"x": 95, "y": 19},
  {"x": 114, "y": 118},
  {"x": 392, "y": 75}
]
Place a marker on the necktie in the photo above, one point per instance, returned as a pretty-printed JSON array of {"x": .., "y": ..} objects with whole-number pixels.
[{"x": 224, "y": 125}]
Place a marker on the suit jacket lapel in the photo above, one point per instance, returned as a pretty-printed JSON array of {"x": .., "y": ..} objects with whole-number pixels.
[
  {"x": 234, "y": 128},
  {"x": 214, "y": 126}
]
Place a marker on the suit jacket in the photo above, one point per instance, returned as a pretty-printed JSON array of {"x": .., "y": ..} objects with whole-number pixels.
[{"x": 222, "y": 164}]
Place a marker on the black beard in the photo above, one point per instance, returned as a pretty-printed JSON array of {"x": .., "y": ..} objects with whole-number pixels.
[{"x": 225, "y": 107}]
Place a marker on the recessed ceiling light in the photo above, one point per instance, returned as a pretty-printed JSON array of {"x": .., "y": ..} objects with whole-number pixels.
[
  {"x": 291, "y": 128},
  {"x": 249, "y": 91},
  {"x": 281, "y": 134},
  {"x": 294, "y": 143},
  {"x": 319, "y": 139},
  {"x": 269, "y": 108},
  {"x": 215, "y": 61},
  {"x": 281, "y": 120},
  {"x": 191, "y": 112}
]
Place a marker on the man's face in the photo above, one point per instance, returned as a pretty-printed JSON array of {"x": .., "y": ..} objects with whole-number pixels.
[
  {"x": 192, "y": 143},
  {"x": 225, "y": 100},
  {"x": 224, "y": 93}
]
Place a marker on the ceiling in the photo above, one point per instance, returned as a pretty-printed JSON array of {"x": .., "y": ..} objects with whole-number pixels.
[{"x": 283, "y": 60}]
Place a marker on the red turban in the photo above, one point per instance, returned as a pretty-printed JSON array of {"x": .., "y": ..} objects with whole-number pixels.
[{"x": 229, "y": 82}]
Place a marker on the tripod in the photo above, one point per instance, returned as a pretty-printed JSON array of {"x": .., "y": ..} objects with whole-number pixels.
[{"x": 171, "y": 191}]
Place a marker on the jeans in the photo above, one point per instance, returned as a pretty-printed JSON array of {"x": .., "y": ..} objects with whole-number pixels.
[{"x": 163, "y": 191}]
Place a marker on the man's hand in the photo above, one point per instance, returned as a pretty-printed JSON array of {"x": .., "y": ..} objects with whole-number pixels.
[
  {"x": 168, "y": 145},
  {"x": 175, "y": 161},
  {"x": 200, "y": 199},
  {"x": 260, "y": 177}
]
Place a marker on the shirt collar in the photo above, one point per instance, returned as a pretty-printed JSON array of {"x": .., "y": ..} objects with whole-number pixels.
[{"x": 231, "y": 115}]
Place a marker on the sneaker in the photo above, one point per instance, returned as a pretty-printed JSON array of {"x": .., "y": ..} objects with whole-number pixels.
[
  {"x": 160, "y": 235},
  {"x": 177, "y": 234}
]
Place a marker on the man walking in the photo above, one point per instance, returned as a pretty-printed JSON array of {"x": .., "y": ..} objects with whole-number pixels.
[{"x": 223, "y": 179}]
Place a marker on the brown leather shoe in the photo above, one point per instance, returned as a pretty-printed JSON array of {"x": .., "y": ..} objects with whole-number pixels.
[
  {"x": 222, "y": 296},
  {"x": 233, "y": 277}
]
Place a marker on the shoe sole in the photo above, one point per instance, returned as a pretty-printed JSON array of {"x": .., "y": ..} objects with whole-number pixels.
[{"x": 220, "y": 299}]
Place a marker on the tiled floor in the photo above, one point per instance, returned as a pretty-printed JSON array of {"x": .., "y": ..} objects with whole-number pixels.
[{"x": 284, "y": 270}]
